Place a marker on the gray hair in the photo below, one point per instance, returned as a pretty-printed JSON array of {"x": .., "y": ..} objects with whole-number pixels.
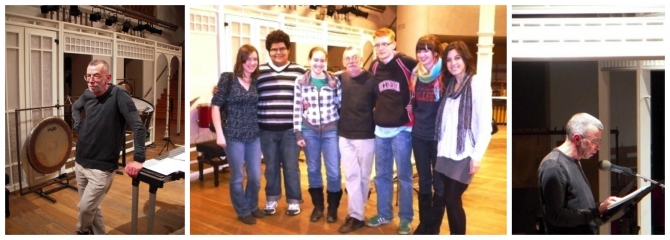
[
  {"x": 358, "y": 51},
  {"x": 96, "y": 62},
  {"x": 581, "y": 122}
]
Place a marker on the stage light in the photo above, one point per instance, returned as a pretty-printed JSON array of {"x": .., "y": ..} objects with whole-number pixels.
[
  {"x": 152, "y": 29},
  {"x": 48, "y": 8},
  {"x": 94, "y": 17},
  {"x": 313, "y": 7},
  {"x": 330, "y": 10},
  {"x": 126, "y": 26},
  {"x": 111, "y": 20},
  {"x": 344, "y": 10},
  {"x": 139, "y": 26},
  {"x": 74, "y": 10},
  {"x": 360, "y": 13}
]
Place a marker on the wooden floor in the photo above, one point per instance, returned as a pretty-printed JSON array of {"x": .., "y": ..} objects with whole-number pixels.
[
  {"x": 485, "y": 203},
  {"x": 32, "y": 214}
]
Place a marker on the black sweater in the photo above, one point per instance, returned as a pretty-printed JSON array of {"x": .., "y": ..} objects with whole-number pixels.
[
  {"x": 102, "y": 134},
  {"x": 358, "y": 101},
  {"x": 394, "y": 95},
  {"x": 565, "y": 193}
]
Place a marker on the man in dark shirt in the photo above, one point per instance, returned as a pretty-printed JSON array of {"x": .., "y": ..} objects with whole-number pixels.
[
  {"x": 567, "y": 200},
  {"x": 99, "y": 141},
  {"x": 356, "y": 130}
]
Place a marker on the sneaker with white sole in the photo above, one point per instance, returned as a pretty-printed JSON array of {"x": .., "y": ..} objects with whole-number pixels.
[
  {"x": 376, "y": 221},
  {"x": 293, "y": 209},
  {"x": 270, "y": 208}
]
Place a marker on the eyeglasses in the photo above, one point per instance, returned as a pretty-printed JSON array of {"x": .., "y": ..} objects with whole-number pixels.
[
  {"x": 378, "y": 45},
  {"x": 351, "y": 59},
  {"x": 96, "y": 77},
  {"x": 593, "y": 141},
  {"x": 276, "y": 50}
]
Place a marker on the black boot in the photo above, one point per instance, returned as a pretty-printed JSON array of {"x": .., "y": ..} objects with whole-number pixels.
[
  {"x": 333, "y": 204},
  {"x": 438, "y": 214},
  {"x": 425, "y": 215},
  {"x": 317, "y": 201}
]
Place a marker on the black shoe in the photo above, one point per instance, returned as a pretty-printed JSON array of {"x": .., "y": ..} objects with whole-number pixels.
[
  {"x": 350, "y": 225},
  {"x": 316, "y": 214},
  {"x": 258, "y": 213},
  {"x": 248, "y": 219},
  {"x": 84, "y": 233}
]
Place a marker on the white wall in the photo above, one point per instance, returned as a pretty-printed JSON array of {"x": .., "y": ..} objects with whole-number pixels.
[{"x": 202, "y": 74}]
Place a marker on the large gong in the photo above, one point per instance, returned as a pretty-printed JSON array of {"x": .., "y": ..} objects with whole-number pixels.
[
  {"x": 127, "y": 86},
  {"x": 49, "y": 145}
]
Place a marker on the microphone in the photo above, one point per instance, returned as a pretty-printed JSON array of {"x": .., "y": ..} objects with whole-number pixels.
[{"x": 607, "y": 166}]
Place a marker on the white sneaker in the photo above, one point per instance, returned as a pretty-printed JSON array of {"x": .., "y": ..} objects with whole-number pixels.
[
  {"x": 270, "y": 208},
  {"x": 293, "y": 209}
]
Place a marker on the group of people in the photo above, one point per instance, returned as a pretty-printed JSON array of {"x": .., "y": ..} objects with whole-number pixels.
[{"x": 434, "y": 106}]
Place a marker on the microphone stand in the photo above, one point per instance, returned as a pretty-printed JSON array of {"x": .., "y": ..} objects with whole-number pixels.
[{"x": 652, "y": 181}]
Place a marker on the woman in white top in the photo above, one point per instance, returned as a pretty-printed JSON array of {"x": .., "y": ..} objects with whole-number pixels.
[{"x": 463, "y": 128}]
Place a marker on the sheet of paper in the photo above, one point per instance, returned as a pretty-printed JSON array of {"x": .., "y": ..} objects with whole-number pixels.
[
  {"x": 166, "y": 166},
  {"x": 627, "y": 197}
]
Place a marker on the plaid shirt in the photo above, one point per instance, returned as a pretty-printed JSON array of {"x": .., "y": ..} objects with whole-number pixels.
[{"x": 322, "y": 113}]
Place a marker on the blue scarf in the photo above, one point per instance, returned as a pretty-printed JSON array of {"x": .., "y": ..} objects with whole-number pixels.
[{"x": 427, "y": 77}]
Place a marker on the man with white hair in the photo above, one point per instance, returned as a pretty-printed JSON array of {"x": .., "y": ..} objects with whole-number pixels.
[
  {"x": 356, "y": 130},
  {"x": 567, "y": 201}
]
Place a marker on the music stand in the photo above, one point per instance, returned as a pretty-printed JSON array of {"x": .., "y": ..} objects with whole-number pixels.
[
  {"x": 167, "y": 135},
  {"x": 618, "y": 209}
]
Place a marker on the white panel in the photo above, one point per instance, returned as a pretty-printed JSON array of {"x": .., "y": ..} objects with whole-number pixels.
[
  {"x": 134, "y": 51},
  {"x": 41, "y": 89},
  {"x": 85, "y": 44},
  {"x": 587, "y": 37}
]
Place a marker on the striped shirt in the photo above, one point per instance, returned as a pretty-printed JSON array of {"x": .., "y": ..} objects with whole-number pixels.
[{"x": 275, "y": 95}]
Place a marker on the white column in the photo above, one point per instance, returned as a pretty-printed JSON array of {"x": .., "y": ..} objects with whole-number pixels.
[
  {"x": 604, "y": 181},
  {"x": 643, "y": 79},
  {"x": 485, "y": 44}
]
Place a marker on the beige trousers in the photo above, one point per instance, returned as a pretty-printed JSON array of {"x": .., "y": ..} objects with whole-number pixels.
[{"x": 92, "y": 185}]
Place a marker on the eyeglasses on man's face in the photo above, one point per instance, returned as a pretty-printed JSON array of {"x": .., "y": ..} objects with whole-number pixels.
[
  {"x": 95, "y": 77},
  {"x": 276, "y": 50},
  {"x": 351, "y": 59},
  {"x": 593, "y": 140},
  {"x": 382, "y": 45}
]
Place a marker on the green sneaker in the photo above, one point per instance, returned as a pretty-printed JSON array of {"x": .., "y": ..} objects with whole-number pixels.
[
  {"x": 404, "y": 228},
  {"x": 376, "y": 221}
]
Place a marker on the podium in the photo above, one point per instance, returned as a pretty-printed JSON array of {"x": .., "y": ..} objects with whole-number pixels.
[{"x": 618, "y": 209}]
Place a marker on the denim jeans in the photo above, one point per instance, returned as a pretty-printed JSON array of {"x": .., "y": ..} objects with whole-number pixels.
[
  {"x": 425, "y": 155},
  {"x": 316, "y": 144},
  {"x": 398, "y": 148},
  {"x": 241, "y": 156},
  {"x": 280, "y": 152}
]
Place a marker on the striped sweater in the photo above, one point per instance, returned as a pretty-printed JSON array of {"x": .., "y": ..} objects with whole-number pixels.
[{"x": 275, "y": 95}]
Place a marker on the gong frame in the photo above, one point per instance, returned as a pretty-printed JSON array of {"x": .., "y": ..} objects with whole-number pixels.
[{"x": 62, "y": 179}]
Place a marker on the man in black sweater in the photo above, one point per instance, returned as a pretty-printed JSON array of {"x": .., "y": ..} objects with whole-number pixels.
[
  {"x": 565, "y": 193},
  {"x": 356, "y": 129},
  {"x": 100, "y": 138}
]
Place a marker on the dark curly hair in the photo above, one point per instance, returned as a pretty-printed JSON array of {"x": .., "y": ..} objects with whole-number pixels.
[{"x": 277, "y": 36}]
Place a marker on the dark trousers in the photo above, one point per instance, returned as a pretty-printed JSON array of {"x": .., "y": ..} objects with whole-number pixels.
[{"x": 453, "y": 198}]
